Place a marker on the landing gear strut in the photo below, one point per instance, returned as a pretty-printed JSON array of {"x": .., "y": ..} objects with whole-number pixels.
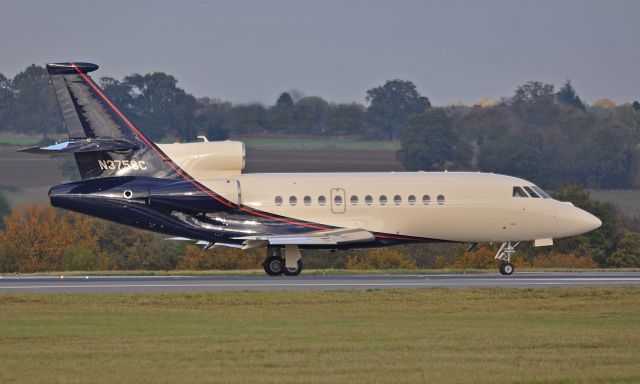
[
  {"x": 289, "y": 265},
  {"x": 504, "y": 255}
]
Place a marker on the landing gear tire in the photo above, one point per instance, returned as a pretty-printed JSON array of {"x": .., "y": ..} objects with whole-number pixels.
[
  {"x": 506, "y": 269},
  {"x": 292, "y": 271},
  {"x": 274, "y": 265}
]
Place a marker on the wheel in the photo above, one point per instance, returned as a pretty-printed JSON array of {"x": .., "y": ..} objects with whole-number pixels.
[
  {"x": 506, "y": 269},
  {"x": 292, "y": 271},
  {"x": 273, "y": 265}
]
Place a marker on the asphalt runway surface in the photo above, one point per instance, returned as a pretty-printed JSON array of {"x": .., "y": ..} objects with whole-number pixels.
[{"x": 139, "y": 284}]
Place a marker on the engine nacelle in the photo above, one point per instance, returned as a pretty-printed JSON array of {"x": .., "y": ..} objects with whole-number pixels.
[{"x": 208, "y": 159}]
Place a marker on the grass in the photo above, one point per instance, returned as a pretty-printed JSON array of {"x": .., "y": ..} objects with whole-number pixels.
[
  {"x": 26, "y": 140},
  {"x": 19, "y": 140},
  {"x": 315, "y": 143},
  {"x": 430, "y": 335}
]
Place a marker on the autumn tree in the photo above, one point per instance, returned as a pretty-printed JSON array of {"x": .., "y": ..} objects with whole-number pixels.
[
  {"x": 604, "y": 103},
  {"x": 34, "y": 240}
]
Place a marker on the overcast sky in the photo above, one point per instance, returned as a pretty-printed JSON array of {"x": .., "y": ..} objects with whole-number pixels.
[{"x": 248, "y": 51}]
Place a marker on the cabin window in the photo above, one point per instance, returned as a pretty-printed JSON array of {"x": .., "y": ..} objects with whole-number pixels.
[
  {"x": 383, "y": 200},
  {"x": 531, "y": 193},
  {"x": 278, "y": 200},
  {"x": 411, "y": 199},
  {"x": 368, "y": 200},
  {"x": 293, "y": 200},
  {"x": 540, "y": 192},
  {"x": 322, "y": 200},
  {"x": 440, "y": 199},
  {"x": 337, "y": 200},
  {"x": 307, "y": 200},
  {"x": 519, "y": 192},
  {"x": 426, "y": 200},
  {"x": 354, "y": 200},
  {"x": 397, "y": 200}
]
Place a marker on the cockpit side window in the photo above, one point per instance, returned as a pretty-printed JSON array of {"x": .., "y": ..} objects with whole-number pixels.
[
  {"x": 531, "y": 192},
  {"x": 540, "y": 192},
  {"x": 519, "y": 192}
]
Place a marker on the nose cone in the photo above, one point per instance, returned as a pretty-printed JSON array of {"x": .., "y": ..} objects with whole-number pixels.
[{"x": 585, "y": 222}]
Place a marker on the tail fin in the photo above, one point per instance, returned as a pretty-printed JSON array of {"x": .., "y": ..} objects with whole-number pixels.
[{"x": 104, "y": 141}]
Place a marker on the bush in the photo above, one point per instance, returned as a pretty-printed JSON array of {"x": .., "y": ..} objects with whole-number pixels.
[
  {"x": 79, "y": 258},
  {"x": 196, "y": 258},
  {"x": 628, "y": 253},
  {"x": 380, "y": 258},
  {"x": 559, "y": 260},
  {"x": 483, "y": 256}
]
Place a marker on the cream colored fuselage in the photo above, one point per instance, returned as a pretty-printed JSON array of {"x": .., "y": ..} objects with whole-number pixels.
[{"x": 450, "y": 206}]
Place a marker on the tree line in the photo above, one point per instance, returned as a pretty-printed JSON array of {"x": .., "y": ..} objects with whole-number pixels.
[{"x": 550, "y": 137}]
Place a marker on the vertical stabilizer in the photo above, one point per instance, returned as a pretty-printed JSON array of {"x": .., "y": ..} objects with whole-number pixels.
[{"x": 104, "y": 141}]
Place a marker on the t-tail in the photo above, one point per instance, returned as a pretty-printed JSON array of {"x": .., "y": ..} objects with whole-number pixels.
[{"x": 104, "y": 141}]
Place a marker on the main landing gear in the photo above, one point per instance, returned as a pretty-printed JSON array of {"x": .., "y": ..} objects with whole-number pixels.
[
  {"x": 504, "y": 255},
  {"x": 289, "y": 265}
]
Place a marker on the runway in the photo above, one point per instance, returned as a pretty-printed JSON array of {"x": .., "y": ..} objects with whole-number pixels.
[{"x": 139, "y": 284}]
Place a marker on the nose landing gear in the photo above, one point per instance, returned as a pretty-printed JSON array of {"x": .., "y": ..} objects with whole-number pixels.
[{"x": 504, "y": 255}]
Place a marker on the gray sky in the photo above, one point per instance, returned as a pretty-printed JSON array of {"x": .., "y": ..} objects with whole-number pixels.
[{"x": 247, "y": 51}]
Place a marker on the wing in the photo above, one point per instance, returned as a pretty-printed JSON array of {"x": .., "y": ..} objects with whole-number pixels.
[{"x": 330, "y": 237}]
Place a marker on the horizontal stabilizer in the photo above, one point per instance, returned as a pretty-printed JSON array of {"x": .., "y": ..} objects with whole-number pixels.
[{"x": 84, "y": 145}]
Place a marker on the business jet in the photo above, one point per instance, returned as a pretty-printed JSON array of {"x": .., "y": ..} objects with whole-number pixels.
[{"x": 197, "y": 191}]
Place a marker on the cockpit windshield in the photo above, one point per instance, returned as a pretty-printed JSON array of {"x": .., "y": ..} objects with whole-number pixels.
[
  {"x": 519, "y": 192},
  {"x": 540, "y": 192},
  {"x": 529, "y": 191}
]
